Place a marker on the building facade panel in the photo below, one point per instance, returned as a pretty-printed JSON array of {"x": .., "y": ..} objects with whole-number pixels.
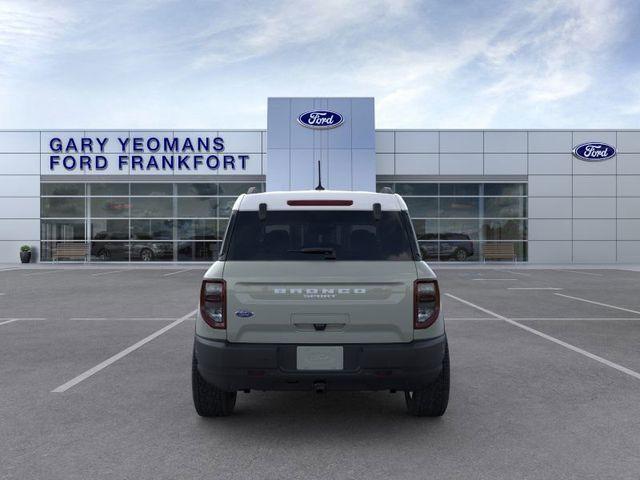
[
  {"x": 19, "y": 164},
  {"x": 461, "y": 142},
  {"x": 19, "y": 207},
  {"x": 629, "y": 186},
  {"x": 610, "y": 137},
  {"x": 19, "y": 186},
  {"x": 235, "y": 141},
  {"x": 417, "y": 164},
  {"x": 550, "y": 164},
  {"x": 461, "y": 163},
  {"x": 505, "y": 163},
  {"x": 628, "y": 207},
  {"x": 550, "y": 252},
  {"x": 594, "y": 186},
  {"x": 594, "y": 229},
  {"x": 417, "y": 142},
  {"x": 385, "y": 142},
  {"x": 628, "y": 252},
  {"x": 20, "y": 229},
  {"x": 363, "y": 124},
  {"x": 385, "y": 164},
  {"x": 550, "y": 142},
  {"x": 550, "y": 185},
  {"x": 550, "y": 207},
  {"x": 594, "y": 252},
  {"x": 608, "y": 167},
  {"x": 505, "y": 142},
  {"x": 594, "y": 208},
  {"x": 628, "y": 229},
  {"x": 628, "y": 163},
  {"x": 20, "y": 142},
  {"x": 629, "y": 141},
  {"x": 550, "y": 229}
]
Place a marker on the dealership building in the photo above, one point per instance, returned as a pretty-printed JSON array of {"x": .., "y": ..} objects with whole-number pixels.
[{"x": 536, "y": 196}]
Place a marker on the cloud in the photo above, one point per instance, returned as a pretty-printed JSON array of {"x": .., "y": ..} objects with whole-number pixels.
[
  {"x": 266, "y": 29},
  {"x": 28, "y": 30},
  {"x": 429, "y": 64}
]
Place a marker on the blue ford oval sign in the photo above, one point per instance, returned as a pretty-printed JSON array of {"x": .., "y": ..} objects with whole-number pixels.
[
  {"x": 594, "y": 151},
  {"x": 244, "y": 313},
  {"x": 321, "y": 119}
]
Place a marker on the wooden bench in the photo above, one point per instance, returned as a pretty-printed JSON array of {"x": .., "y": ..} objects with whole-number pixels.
[
  {"x": 499, "y": 251},
  {"x": 70, "y": 250}
]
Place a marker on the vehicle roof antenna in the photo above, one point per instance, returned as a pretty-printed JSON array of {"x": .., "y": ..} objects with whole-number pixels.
[{"x": 319, "y": 187}]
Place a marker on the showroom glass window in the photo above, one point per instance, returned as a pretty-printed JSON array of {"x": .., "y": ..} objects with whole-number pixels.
[
  {"x": 455, "y": 221},
  {"x": 145, "y": 221}
]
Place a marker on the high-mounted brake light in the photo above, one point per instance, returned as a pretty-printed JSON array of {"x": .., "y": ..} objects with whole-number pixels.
[
  {"x": 213, "y": 299},
  {"x": 426, "y": 303},
  {"x": 319, "y": 203}
]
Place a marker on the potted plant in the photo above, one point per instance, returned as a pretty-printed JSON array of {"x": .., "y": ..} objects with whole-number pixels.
[{"x": 25, "y": 253}]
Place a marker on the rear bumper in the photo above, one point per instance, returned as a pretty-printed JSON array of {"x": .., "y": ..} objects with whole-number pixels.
[{"x": 389, "y": 366}]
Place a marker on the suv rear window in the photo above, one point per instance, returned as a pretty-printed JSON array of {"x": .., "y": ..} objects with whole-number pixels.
[{"x": 319, "y": 235}]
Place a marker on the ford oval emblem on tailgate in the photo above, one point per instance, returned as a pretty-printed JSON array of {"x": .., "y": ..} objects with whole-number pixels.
[
  {"x": 321, "y": 119},
  {"x": 244, "y": 313}
]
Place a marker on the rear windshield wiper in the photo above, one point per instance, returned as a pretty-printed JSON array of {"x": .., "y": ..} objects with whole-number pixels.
[{"x": 329, "y": 253}]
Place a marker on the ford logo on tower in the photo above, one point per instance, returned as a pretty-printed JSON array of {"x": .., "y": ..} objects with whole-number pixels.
[
  {"x": 594, "y": 151},
  {"x": 320, "y": 119}
]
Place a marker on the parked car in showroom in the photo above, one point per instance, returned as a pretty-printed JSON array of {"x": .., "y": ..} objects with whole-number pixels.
[
  {"x": 320, "y": 290},
  {"x": 110, "y": 247},
  {"x": 452, "y": 246}
]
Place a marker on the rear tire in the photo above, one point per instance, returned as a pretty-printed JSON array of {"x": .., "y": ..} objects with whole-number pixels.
[
  {"x": 209, "y": 400},
  {"x": 461, "y": 255},
  {"x": 432, "y": 400},
  {"x": 146, "y": 255}
]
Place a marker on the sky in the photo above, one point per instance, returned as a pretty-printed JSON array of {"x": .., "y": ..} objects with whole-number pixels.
[{"x": 429, "y": 64}]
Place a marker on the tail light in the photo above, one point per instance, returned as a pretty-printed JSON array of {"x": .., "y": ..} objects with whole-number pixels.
[
  {"x": 213, "y": 299},
  {"x": 426, "y": 303}
]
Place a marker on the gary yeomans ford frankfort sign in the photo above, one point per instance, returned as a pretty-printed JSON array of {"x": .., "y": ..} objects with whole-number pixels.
[{"x": 141, "y": 154}]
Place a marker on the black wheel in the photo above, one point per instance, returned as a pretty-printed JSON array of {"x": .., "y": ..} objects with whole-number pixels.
[
  {"x": 146, "y": 255},
  {"x": 461, "y": 255},
  {"x": 104, "y": 255},
  {"x": 432, "y": 400},
  {"x": 209, "y": 400}
]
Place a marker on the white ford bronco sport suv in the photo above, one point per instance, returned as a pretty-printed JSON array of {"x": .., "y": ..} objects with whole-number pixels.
[{"x": 320, "y": 290}]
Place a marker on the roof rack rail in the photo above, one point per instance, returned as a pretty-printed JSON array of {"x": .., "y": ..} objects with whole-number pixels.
[
  {"x": 252, "y": 190},
  {"x": 386, "y": 190}
]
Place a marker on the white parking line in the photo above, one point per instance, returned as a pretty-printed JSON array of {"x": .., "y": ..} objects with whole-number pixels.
[
  {"x": 544, "y": 319},
  {"x": 566, "y": 345},
  {"x": 517, "y": 273},
  {"x": 495, "y": 279},
  {"x": 92, "y": 371},
  {"x": 533, "y": 288},
  {"x": 133, "y": 319},
  {"x": 21, "y": 319},
  {"x": 578, "y": 319},
  {"x": 9, "y": 321},
  {"x": 598, "y": 303},
  {"x": 470, "y": 319},
  {"x": 176, "y": 273},
  {"x": 106, "y": 273},
  {"x": 9, "y": 269},
  {"x": 579, "y": 272}
]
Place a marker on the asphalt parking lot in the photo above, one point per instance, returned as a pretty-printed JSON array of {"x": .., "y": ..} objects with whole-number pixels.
[{"x": 95, "y": 383}]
